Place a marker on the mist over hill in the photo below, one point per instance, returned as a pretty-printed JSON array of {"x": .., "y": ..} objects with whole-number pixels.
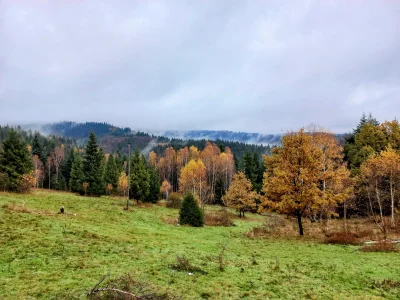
[
  {"x": 242, "y": 137},
  {"x": 82, "y": 131}
]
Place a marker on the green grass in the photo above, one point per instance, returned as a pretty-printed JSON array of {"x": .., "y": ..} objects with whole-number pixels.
[{"x": 54, "y": 256}]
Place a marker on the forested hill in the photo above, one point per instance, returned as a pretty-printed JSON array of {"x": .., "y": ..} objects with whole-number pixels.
[
  {"x": 224, "y": 135},
  {"x": 82, "y": 130},
  {"x": 112, "y": 138}
]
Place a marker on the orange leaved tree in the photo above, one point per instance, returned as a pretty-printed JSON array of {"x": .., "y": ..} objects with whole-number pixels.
[
  {"x": 240, "y": 194},
  {"x": 305, "y": 174}
]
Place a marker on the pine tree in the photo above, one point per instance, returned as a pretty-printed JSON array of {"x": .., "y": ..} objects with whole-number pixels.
[
  {"x": 154, "y": 189},
  {"x": 111, "y": 173},
  {"x": 76, "y": 176},
  {"x": 67, "y": 167},
  {"x": 93, "y": 167},
  {"x": 15, "y": 160},
  {"x": 37, "y": 148},
  {"x": 140, "y": 178},
  {"x": 119, "y": 162},
  {"x": 190, "y": 212}
]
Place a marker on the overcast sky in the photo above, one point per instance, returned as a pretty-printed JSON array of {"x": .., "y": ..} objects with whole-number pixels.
[{"x": 256, "y": 66}]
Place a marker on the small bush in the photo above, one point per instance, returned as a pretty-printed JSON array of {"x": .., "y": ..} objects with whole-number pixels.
[
  {"x": 174, "y": 200},
  {"x": 342, "y": 238},
  {"x": 380, "y": 246},
  {"x": 190, "y": 212},
  {"x": 183, "y": 264},
  {"x": 26, "y": 183},
  {"x": 218, "y": 218}
]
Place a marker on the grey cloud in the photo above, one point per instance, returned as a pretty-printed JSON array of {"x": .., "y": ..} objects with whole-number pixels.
[{"x": 259, "y": 66}]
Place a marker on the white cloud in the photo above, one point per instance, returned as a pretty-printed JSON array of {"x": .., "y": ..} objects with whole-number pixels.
[{"x": 249, "y": 66}]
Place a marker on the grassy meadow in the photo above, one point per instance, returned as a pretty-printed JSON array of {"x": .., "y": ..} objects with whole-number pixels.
[{"x": 45, "y": 255}]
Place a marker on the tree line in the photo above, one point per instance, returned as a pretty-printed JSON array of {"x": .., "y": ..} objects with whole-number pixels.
[{"x": 312, "y": 175}]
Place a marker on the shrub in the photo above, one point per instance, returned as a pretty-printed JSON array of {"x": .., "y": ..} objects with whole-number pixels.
[
  {"x": 190, "y": 212},
  {"x": 218, "y": 218},
  {"x": 343, "y": 238},
  {"x": 26, "y": 183},
  {"x": 183, "y": 264},
  {"x": 174, "y": 200},
  {"x": 380, "y": 246}
]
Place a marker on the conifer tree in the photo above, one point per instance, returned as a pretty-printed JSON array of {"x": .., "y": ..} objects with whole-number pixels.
[
  {"x": 76, "y": 176},
  {"x": 154, "y": 189},
  {"x": 15, "y": 160},
  {"x": 111, "y": 173},
  {"x": 37, "y": 148},
  {"x": 140, "y": 178},
  {"x": 190, "y": 212},
  {"x": 67, "y": 167},
  {"x": 93, "y": 167}
]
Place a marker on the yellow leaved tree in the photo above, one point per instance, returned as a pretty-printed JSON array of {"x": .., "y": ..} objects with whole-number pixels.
[
  {"x": 301, "y": 175},
  {"x": 123, "y": 183},
  {"x": 193, "y": 179},
  {"x": 240, "y": 194}
]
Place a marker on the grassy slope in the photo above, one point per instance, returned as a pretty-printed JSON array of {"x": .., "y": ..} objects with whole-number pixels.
[{"x": 60, "y": 256}]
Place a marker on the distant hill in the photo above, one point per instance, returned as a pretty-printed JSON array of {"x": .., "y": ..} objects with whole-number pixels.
[
  {"x": 82, "y": 130},
  {"x": 113, "y": 138},
  {"x": 242, "y": 137}
]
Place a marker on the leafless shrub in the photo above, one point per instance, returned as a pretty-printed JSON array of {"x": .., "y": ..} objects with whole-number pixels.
[
  {"x": 183, "y": 264},
  {"x": 126, "y": 287}
]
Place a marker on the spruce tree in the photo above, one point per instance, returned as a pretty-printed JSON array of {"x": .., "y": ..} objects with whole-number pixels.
[
  {"x": 111, "y": 173},
  {"x": 140, "y": 178},
  {"x": 154, "y": 189},
  {"x": 93, "y": 168},
  {"x": 118, "y": 161},
  {"x": 190, "y": 212},
  {"x": 250, "y": 167},
  {"x": 67, "y": 167},
  {"x": 76, "y": 176},
  {"x": 37, "y": 148},
  {"x": 15, "y": 159}
]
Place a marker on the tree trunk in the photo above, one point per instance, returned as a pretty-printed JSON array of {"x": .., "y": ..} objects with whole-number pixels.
[
  {"x": 345, "y": 215},
  {"x": 392, "y": 199},
  {"x": 300, "y": 223}
]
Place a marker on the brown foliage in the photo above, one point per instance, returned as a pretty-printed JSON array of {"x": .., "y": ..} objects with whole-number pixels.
[
  {"x": 27, "y": 182},
  {"x": 380, "y": 246},
  {"x": 342, "y": 238}
]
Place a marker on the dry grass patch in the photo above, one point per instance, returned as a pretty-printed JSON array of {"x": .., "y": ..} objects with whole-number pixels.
[
  {"x": 170, "y": 220},
  {"x": 218, "y": 218},
  {"x": 380, "y": 246},
  {"x": 22, "y": 209}
]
